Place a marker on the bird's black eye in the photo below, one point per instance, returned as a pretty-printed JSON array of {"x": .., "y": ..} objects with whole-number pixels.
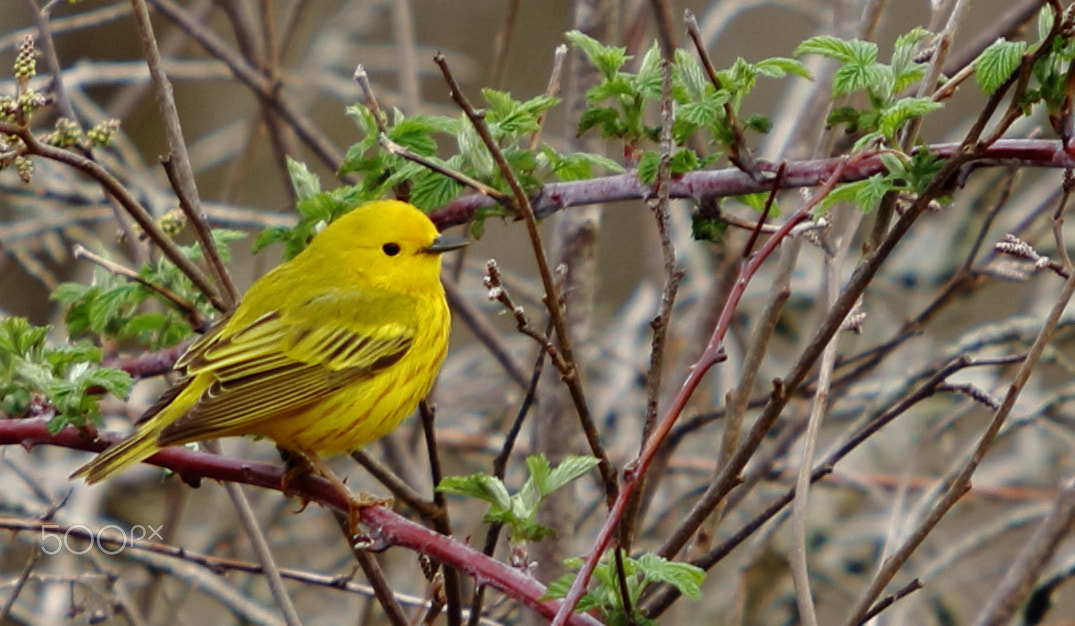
[{"x": 391, "y": 249}]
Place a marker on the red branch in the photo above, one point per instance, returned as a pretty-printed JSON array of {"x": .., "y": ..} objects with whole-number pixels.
[
  {"x": 385, "y": 527},
  {"x": 733, "y": 182},
  {"x": 714, "y": 353}
]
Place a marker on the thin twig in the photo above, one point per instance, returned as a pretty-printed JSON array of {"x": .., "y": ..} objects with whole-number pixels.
[
  {"x": 304, "y": 128},
  {"x": 738, "y": 152},
  {"x": 1004, "y": 601},
  {"x": 666, "y": 31},
  {"x": 551, "y": 89},
  {"x": 672, "y": 276},
  {"x": 891, "y": 599},
  {"x": 552, "y": 294},
  {"x": 44, "y": 30},
  {"x": 127, "y": 200},
  {"x": 713, "y": 354},
  {"x": 382, "y": 589},
  {"x": 32, "y": 560},
  {"x": 799, "y": 566},
  {"x": 738, "y": 399},
  {"x": 661, "y": 601},
  {"x": 262, "y": 552},
  {"x": 960, "y": 481},
  {"x": 194, "y": 317},
  {"x": 180, "y": 172},
  {"x": 486, "y": 333},
  {"x": 407, "y": 69},
  {"x": 502, "y": 44},
  {"x": 442, "y": 523}
]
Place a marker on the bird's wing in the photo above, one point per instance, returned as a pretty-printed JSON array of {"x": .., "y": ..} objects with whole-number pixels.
[{"x": 285, "y": 360}]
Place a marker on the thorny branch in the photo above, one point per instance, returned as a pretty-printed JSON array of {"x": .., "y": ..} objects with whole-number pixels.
[
  {"x": 385, "y": 527},
  {"x": 713, "y": 354}
]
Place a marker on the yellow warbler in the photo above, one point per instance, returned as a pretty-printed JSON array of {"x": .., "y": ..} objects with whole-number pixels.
[{"x": 325, "y": 353}]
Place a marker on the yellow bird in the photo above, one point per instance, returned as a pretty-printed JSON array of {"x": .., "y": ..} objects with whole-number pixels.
[{"x": 325, "y": 353}]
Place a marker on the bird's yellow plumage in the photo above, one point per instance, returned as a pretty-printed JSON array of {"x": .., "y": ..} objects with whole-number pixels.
[{"x": 325, "y": 353}]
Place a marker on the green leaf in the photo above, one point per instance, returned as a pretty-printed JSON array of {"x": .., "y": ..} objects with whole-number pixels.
[
  {"x": 569, "y": 469},
  {"x": 15, "y": 402},
  {"x": 114, "y": 381},
  {"x": 895, "y": 167},
  {"x": 109, "y": 305},
  {"x": 19, "y": 337},
  {"x": 708, "y": 228},
  {"x": 366, "y": 124},
  {"x": 904, "y": 67},
  {"x": 839, "y": 49},
  {"x": 474, "y": 151},
  {"x": 997, "y": 63},
  {"x": 303, "y": 181},
  {"x": 416, "y": 133},
  {"x": 874, "y": 188},
  {"x": 648, "y": 82},
  {"x": 759, "y": 123},
  {"x": 501, "y": 101},
  {"x": 778, "y": 67},
  {"x": 618, "y": 87},
  {"x": 686, "y": 578},
  {"x": 924, "y": 167},
  {"x": 689, "y": 72},
  {"x": 757, "y": 201},
  {"x": 903, "y": 111},
  {"x": 647, "y": 166},
  {"x": 684, "y": 161},
  {"x": 854, "y": 77},
  {"x": 559, "y": 587},
  {"x": 607, "y": 59},
  {"x": 271, "y": 235},
  {"x": 576, "y": 165},
  {"x": 1045, "y": 22},
  {"x": 604, "y": 117},
  {"x": 704, "y": 112},
  {"x": 35, "y": 374},
  {"x": 432, "y": 190},
  {"x": 478, "y": 485}
]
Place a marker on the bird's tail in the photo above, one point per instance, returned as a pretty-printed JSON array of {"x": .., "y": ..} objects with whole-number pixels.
[{"x": 139, "y": 446}]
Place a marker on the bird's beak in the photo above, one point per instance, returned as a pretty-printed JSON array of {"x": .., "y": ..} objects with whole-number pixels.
[{"x": 444, "y": 243}]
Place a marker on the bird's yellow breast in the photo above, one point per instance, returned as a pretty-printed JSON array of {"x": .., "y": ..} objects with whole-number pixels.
[{"x": 370, "y": 408}]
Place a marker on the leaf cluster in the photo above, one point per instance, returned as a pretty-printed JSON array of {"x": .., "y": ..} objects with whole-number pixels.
[
  {"x": 68, "y": 375},
  {"x": 623, "y": 104},
  {"x": 648, "y": 569},
  {"x": 903, "y": 174},
  {"x": 519, "y": 511},
  {"x": 385, "y": 172},
  {"x": 885, "y": 112},
  {"x": 1001, "y": 61},
  {"x": 118, "y": 309}
]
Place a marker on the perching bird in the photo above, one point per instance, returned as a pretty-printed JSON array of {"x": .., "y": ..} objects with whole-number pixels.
[{"x": 325, "y": 353}]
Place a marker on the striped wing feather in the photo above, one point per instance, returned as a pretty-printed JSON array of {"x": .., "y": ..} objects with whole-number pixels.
[{"x": 280, "y": 362}]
